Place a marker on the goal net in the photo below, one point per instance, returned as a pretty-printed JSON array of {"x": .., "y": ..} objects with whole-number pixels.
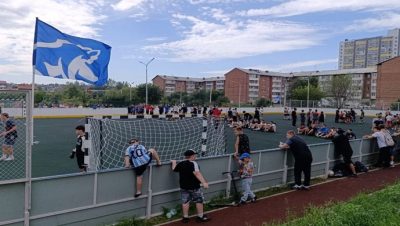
[{"x": 170, "y": 137}]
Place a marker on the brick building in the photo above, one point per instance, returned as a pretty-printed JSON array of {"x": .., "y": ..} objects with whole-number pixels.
[
  {"x": 248, "y": 85},
  {"x": 172, "y": 84},
  {"x": 388, "y": 82}
]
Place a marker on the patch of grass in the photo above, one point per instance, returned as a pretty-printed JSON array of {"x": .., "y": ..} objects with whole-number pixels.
[{"x": 380, "y": 208}]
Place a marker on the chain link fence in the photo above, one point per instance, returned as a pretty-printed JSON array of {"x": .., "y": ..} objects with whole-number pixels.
[{"x": 13, "y": 144}]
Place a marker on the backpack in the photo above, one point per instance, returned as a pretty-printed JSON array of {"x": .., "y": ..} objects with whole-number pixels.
[
  {"x": 360, "y": 167},
  {"x": 388, "y": 139}
]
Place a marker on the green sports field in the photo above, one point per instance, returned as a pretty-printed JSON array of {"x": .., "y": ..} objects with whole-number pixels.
[{"x": 57, "y": 138}]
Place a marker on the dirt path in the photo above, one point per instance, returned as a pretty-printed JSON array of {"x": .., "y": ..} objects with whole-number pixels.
[{"x": 278, "y": 207}]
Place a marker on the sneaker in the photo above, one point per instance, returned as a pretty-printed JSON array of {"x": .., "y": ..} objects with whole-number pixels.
[
  {"x": 138, "y": 194},
  {"x": 254, "y": 199},
  {"x": 296, "y": 187},
  {"x": 11, "y": 158},
  {"x": 202, "y": 219},
  {"x": 353, "y": 175},
  {"x": 241, "y": 202},
  {"x": 3, "y": 157},
  {"x": 392, "y": 164},
  {"x": 185, "y": 220},
  {"x": 303, "y": 187}
]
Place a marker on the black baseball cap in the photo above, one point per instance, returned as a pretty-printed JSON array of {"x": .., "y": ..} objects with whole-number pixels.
[{"x": 189, "y": 152}]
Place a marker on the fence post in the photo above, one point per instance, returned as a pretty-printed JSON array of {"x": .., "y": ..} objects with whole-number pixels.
[
  {"x": 149, "y": 194},
  {"x": 360, "y": 150},
  {"x": 228, "y": 184},
  {"x": 328, "y": 160},
  {"x": 95, "y": 189},
  {"x": 285, "y": 168},
  {"x": 259, "y": 162},
  {"x": 28, "y": 158}
]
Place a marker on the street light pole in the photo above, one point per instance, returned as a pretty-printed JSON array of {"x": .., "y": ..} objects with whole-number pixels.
[
  {"x": 147, "y": 64},
  {"x": 308, "y": 91},
  {"x": 240, "y": 89}
]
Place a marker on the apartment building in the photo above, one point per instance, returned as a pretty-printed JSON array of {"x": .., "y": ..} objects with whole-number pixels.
[
  {"x": 363, "y": 82},
  {"x": 248, "y": 85},
  {"x": 172, "y": 84},
  {"x": 368, "y": 52},
  {"x": 388, "y": 82}
]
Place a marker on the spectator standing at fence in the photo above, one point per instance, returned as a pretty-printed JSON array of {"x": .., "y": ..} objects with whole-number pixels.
[
  {"x": 353, "y": 115},
  {"x": 294, "y": 117},
  {"x": 315, "y": 117},
  {"x": 321, "y": 118},
  {"x": 343, "y": 148},
  {"x": 79, "y": 151},
  {"x": 302, "y": 118},
  {"x": 302, "y": 159},
  {"x": 246, "y": 169},
  {"x": 309, "y": 116},
  {"x": 337, "y": 115},
  {"x": 10, "y": 135},
  {"x": 257, "y": 114},
  {"x": 190, "y": 179},
  {"x": 242, "y": 144},
  {"x": 389, "y": 142},
  {"x": 384, "y": 149},
  {"x": 137, "y": 156}
]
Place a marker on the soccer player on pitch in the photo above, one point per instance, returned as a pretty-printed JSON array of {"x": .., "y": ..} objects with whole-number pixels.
[{"x": 78, "y": 150}]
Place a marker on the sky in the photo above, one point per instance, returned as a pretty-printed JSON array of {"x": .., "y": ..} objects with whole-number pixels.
[{"x": 196, "y": 38}]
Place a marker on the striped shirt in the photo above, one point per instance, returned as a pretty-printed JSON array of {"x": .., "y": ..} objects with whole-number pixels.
[{"x": 138, "y": 154}]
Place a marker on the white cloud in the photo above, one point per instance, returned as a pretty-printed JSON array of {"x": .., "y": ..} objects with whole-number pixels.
[
  {"x": 299, "y": 7},
  {"x": 17, "y": 24},
  {"x": 384, "y": 21},
  {"x": 280, "y": 67},
  {"x": 156, "y": 39},
  {"x": 126, "y": 4},
  {"x": 230, "y": 38},
  {"x": 195, "y": 2},
  {"x": 301, "y": 64}
]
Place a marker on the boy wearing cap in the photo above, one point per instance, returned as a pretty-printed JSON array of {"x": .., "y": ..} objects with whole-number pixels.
[
  {"x": 246, "y": 168},
  {"x": 137, "y": 155},
  {"x": 190, "y": 179}
]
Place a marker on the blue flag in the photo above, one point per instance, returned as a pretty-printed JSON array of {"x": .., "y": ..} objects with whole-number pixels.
[{"x": 60, "y": 55}]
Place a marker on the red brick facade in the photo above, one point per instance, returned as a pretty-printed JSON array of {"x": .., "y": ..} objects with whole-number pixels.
[
  {"x": 388, "y": 82},
  {"x": 237, "y": 80},
  {"x": 265, "y": 87},
  {"x": 160, "y": 82}
]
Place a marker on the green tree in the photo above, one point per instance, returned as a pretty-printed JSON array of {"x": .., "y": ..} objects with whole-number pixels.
[
  {"x": 263, "y": 102},
  {"x": 300, "y": 93},
  {"x": 340, "y": 89},
  {"x": 154, "y": 93}
]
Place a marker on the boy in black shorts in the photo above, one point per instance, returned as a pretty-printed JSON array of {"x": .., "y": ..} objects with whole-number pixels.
[
  {"x": 189, "y": 181},
  {"x": 78, "y": 150},
  {"x": 137, "y": 156}
]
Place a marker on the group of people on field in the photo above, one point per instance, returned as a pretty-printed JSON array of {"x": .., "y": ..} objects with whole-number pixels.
[{"x": 192, "y": 182}]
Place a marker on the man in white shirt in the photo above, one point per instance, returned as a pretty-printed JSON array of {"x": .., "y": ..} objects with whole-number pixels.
[{"x": 384, "y": 149}]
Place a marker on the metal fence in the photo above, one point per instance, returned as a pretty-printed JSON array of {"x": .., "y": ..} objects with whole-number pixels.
[
  {"x": 15, "y": 171},
  {"x": 98, "y": 198}
]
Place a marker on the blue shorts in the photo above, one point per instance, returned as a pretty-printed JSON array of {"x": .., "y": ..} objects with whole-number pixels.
[
  {"x": 195, "y": 196},
  {"x": 10, "y": 140}
]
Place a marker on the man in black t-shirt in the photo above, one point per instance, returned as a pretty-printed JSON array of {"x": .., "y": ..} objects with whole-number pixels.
[
  {"x": 190, "y": 179},
  {"x": 302, "y": 159},
  {"x": 242, "y": 144},
  {"x": 78, "y": 150}
]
